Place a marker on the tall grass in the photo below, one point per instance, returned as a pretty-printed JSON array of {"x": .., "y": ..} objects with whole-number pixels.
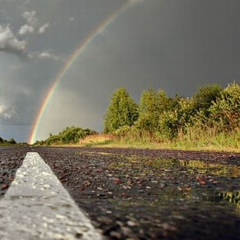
[
  {"x": 210, "y": 139},
  {"x": 194, "y": 139}
]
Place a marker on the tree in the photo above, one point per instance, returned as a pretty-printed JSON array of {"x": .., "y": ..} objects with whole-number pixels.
[
  {"x": 205, "y": 97},
  {"x": 166, "y": 103},
  {"x": 148, "y": 111},
  {"x": 174, "y": 119},
  {"x": 68, "y": 135},
  {"x": 12, "y": 141},
  {"x": 225, "y": 112},
  {"x": 123, "y": 111}
]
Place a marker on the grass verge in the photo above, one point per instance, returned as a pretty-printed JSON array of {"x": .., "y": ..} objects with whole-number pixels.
[{"x": 211, "y": 142}]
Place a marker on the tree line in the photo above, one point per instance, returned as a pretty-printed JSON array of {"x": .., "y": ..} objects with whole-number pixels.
[
  {"x": 69, "y": 135},
  {"x": 11, "y": 141},
  {"x": 161, "y": 117}
]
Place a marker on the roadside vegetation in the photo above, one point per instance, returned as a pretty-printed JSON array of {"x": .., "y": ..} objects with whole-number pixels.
[
  {"x": 4, "y": 142},
  {"x": 70, "y": 135},
  {"x": 208, "y": 120},
  {"x": 11, "y": 142}
]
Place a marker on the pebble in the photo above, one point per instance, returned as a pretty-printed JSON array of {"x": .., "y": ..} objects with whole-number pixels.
[
  {"x": 135, "y": 199},
  {"x": 115, "y": 234},
  {"x": 126, "y": 231},
  {"x": 131, "y": 223}
]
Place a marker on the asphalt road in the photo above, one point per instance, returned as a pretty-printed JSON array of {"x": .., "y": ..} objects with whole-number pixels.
[{"x": 145, "y": 194}]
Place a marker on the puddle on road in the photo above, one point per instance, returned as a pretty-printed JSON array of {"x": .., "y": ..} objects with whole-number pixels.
[
  {"x": 215, "y": 182},
  {"x": 193, "y": 166},
  {"x": 194, "y": 180},
  {"x": 190, "y": 199},
  {"x": 213, "y": 169}
]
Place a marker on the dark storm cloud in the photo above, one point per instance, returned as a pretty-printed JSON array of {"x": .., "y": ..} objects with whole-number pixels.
[
  {"x": 180, "y": 45},
  {"x": 175, "y": 45}
]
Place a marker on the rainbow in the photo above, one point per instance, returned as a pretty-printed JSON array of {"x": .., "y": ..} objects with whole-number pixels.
[{"x": 88, "y": 40}]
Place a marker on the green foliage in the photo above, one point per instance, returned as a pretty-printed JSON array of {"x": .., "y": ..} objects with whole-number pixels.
[
  {"x": 152, "y": 108},
  {"x": 132, "y": 134},
  {"x": 205, "y": 97},
  {"x": 210, "y": 115},
  {"x": 12, "y": 141},
  {"x": 4, "y": 142},
  {"x": 148, "y": 111},
  {"x": 209, "y": 119},
  {"x": 68, "y": 135},
  {"x": 127, "y": 131},
  {"x": 175, "y": 120},
  {"x": 149, "y": 102},
  {"x": 169, "y": 124},
  {"x": 123, "y": 111},
  {"x": 165, "y": 103},
  {"x": 225, "y": 112}
]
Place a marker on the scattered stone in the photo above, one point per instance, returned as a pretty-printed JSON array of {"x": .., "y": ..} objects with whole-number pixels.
[
  {"x": 131, "y": 223},
  {"x": 115, "y": 235},
  {"x": 162, "y": 202}
]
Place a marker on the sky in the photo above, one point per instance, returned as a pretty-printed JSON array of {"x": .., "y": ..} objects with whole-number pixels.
[{"x": 61, "y": 61}]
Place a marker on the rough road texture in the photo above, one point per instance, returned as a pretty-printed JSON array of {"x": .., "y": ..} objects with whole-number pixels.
[
  {"x": 10, "y": 160},
  {"x": 36, "y": 206},
  {"x": 143, "y": 194}
]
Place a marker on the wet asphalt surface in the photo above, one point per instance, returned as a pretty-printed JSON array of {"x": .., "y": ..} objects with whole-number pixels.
[{"x": 145, "y": 194}]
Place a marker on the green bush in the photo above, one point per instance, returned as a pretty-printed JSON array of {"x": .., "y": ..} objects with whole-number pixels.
[
  {"x": 205, "y": 97},
  {"x": 123, "y": 111},
  {"x": 68, "y": 135},
  {"x": 225, "y": 112}
]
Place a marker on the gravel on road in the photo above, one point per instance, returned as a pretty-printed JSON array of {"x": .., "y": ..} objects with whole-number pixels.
[{"x": 146, "y": 194}]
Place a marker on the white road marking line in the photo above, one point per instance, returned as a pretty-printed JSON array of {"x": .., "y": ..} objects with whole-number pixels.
[{"x": 37, "y": 206}]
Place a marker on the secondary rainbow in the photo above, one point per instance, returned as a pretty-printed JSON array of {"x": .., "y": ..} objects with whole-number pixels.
[{"x": 98, "y": 30}]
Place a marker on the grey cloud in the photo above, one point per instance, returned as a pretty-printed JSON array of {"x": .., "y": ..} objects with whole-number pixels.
[
  {"x": 6, "y": 112},
  {"x": 9, "y": 42},
  {"x": 173, "y": 45},
  {"x": 25, "y": 29},
  {"x": 46, "y": 55},
  {"x": 134, "y": 1},
  {"x": 30, "y": 18},
  {"x": 43, "y": 28},
  {"x": 43, "y": 56},
  {"x": 32, "y": 24}
]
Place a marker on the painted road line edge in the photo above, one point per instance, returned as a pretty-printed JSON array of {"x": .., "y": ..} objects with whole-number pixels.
[{"x": 37, "y": 206}]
